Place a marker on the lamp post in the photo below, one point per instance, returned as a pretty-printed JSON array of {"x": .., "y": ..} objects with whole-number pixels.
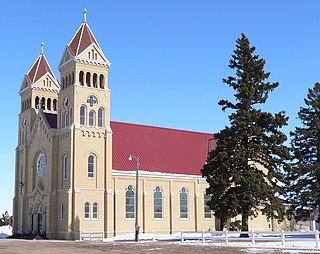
[{"x": 136, "y": 235}]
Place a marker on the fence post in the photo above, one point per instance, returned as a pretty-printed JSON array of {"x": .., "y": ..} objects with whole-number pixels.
[
  {"x": 226, "y": 236},
  {"x": 80, "y": 236},
  {"x": 103, "y": 234},
  {"x": 202, "y": 236},
  {"x": 91, "y": 236},
  {"x": 181, "y": 236},
  {"x": 282, "y": 237},
  {"x": 252, "y": 237},
  {"x": 317, "y": 238}
]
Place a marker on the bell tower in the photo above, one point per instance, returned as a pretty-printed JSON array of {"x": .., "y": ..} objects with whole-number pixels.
[
  {"x": 39, "y": 100},
  {"x": 85, "y": 136}
]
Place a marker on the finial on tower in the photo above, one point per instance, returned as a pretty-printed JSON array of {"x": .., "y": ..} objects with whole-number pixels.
[
  {"x": 85, "y": 15},
  {"x": 42, "y": 50}
]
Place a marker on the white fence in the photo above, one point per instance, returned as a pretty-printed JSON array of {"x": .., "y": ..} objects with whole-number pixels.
[
  {"x": 251, "y": 236},
  {"x": 91, "y": 236}
]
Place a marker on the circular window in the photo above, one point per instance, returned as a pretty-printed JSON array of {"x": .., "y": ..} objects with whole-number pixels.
[
  {"x": 92, "y": 100},
  {"x": 41, "y": 165}
]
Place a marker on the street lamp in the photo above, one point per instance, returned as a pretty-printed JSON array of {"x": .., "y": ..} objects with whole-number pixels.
[{"x": 136, "y": 235}]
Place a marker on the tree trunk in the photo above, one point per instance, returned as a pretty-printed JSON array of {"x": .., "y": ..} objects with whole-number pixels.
[{"x": 245, "y": 225}]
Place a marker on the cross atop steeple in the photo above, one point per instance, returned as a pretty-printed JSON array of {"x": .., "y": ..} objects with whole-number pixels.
[
  {"x": 42, "y": 48},
  {"x": 85, "y": 15}
]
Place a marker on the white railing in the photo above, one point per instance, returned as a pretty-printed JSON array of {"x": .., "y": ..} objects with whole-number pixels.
[
  {"x": 251, "y": 236},
  {"x": 92, "y": 236}
]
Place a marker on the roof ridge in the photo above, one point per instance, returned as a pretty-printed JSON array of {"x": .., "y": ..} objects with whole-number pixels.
[
  {"x": 164, "y": 128},
  {"x": 78, "y": 46},
  {"x": 36, "y": 72}
]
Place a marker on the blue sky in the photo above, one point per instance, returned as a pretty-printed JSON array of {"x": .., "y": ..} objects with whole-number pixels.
[{"x": 168, "y": 58}]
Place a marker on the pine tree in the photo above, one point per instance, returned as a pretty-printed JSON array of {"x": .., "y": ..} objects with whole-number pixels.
[
  {"x": 305, "y": 144},
  {"x": 245, "y": 171},
  {"x": 5, "y": 219}
]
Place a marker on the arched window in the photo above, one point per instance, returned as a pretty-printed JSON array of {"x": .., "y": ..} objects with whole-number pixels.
[
  {"x": 130, "y": 202},
  {"x": 43, "y": 103},
  {"x": 82, "y": 115},
  {"x": 100, "y": 117},
  {"x": 91, "y": 165},
  {"x": 95, "y": 80},
  {"x": 36, "y": 102},
  {"x": 87, "y": 210},
  {"x": 81, "y": 77},
  {"x": 72, "y": 78},
  {"x": 65, "y": 166},
  {"x": 92, "y": 116},
  {"x": 88, "y": 77},
  {"x": 95, "y": 210},
  {"x": 101, "y": 81},
  {"x": 157, "y": 203},
  {"x": 69, "y": 80},
  {"x": 49, "y": 104},
  {"x": 183, "y": 203},
  {"x": 55, "y": 105},
  {"x": 207, "y": 211}
]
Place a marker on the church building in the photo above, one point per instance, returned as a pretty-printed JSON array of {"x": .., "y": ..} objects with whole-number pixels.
[{"x": 73, "y": 172}]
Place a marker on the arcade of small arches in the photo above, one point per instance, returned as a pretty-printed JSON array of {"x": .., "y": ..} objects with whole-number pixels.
[
  {"x": 91, "y": 80},
  {"x": 45, "y": 104}
]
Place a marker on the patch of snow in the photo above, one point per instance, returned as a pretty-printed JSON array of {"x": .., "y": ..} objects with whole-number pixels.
[{"x": 5, "y": 231}]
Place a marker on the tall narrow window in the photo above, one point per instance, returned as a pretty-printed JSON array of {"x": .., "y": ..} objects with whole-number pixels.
[
  {"x": 158, "y": 203},
  {"x": 82, "y": 115},
  {"x": 95, "y": 210},
  {"x": 101, "y": 81},
  {"x": 43, "y": 103},
  {"x": 92, "y": 116},
  {"x": 91, "y": 166},
  {"x": 65, "y": 166},
  {"x": 130, "y": 202},
  {"x": 87, "y": 210},
  {"x": 100, "y": 117},
  {"x": 49, "y": 104},
  {"x": 207, "y": 211},
  {"x": 55, "y": 105},
  {"x": 88, "y": 77},
  {"x": 81, "y": 77},
  {"x": 183, "y": 203},
  {"x": 36, "y": 103},
  {"x": 62, "y": 211},
  {"x": 95, "y": 80}
]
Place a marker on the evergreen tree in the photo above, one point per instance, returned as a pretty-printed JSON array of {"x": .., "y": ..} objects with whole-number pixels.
[
  {"x": 305, "y": 144},
  {"x": 5, "y": 219},
  {"x": 245, "y": 171}
]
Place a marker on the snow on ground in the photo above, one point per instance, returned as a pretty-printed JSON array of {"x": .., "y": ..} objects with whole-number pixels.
[
  {"x": 5, "y": 231},
  {"x": 291, "y": 246}
]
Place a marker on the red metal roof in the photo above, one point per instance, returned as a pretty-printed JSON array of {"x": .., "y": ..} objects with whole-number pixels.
[
  {"x": 82, "y": 39},
  {"x": 39, "y": 68},
  {"x": 159, "y": 149}
]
